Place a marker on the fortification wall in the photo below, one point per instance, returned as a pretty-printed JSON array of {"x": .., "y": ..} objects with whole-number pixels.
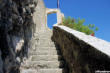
[{"x": 83, "y": 53}]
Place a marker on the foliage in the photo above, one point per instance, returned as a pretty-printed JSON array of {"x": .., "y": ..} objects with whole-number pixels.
[{"x": 78, "y": 24}]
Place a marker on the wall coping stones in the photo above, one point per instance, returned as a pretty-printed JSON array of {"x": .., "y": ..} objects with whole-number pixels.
[{"x": 99, "y": 44}]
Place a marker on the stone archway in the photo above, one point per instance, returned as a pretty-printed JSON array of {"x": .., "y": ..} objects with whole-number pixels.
[
  {"x": 51, "y": 20},
  {"x": 58, "y": 13}
]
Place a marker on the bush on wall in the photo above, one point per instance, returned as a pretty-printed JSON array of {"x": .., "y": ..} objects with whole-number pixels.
[{"x": 78, "y": 24}]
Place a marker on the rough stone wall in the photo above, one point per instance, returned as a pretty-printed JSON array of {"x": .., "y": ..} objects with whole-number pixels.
[
  {"x": 39, "y": 17},
  {"x": 79, "y": 52},
  {"x": 16, "y": 30}
]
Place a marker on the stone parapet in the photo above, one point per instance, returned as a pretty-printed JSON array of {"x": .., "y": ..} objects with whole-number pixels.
[{"x": 83, "y": 53}]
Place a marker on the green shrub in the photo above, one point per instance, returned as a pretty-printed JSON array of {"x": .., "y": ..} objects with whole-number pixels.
[{"x": 78, "y": 25}]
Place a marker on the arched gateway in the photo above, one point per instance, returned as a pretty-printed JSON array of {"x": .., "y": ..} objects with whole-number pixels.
[{"x": 40, "y": 16}]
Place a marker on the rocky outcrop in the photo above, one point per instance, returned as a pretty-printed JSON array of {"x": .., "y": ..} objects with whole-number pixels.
[
  {"x": 16, "y": 30},
  {"x": 83, "y": 53}
]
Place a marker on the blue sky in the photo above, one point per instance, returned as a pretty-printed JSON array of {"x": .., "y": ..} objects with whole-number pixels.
[{"x": 93, "y": 11}]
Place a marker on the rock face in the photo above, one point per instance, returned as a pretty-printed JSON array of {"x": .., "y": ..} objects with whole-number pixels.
[
  {"x": 83, "y": 53},
  {"x": 16, "y": 30}
]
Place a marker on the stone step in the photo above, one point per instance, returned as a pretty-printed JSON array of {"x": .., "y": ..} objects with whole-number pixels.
[
  {"x": 43, "y": 64},
  {"x": 45, "y": 44},
  {"x": 45, "y": 39},
  {"x": 42, "y": 71},
  {"x": 46, "y": 57},
  {"x": 46, "y": 33},
  {"x": 45, "y": 52},
  {"x": 51, "y": 71},
  {"x": 28, "y": 71},
  {"x": 46, "y": 48},
  {"x": 46, "y": 36}
]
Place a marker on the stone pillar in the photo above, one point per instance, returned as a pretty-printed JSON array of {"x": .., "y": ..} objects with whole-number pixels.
[{"x": 59, "y": 16}]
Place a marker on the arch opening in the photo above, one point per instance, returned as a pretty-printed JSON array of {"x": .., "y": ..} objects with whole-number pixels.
[{"x": 51, "y": 20}]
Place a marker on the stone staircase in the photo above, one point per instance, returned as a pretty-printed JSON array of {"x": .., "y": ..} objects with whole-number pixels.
[{"x": 45, "y": 58}]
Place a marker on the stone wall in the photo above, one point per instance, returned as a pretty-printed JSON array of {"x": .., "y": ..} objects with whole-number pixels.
[
  {"x": 16, "y": 31},
  {"x": 83, "y": 53},
  {"x": 39, "y": 17}
]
